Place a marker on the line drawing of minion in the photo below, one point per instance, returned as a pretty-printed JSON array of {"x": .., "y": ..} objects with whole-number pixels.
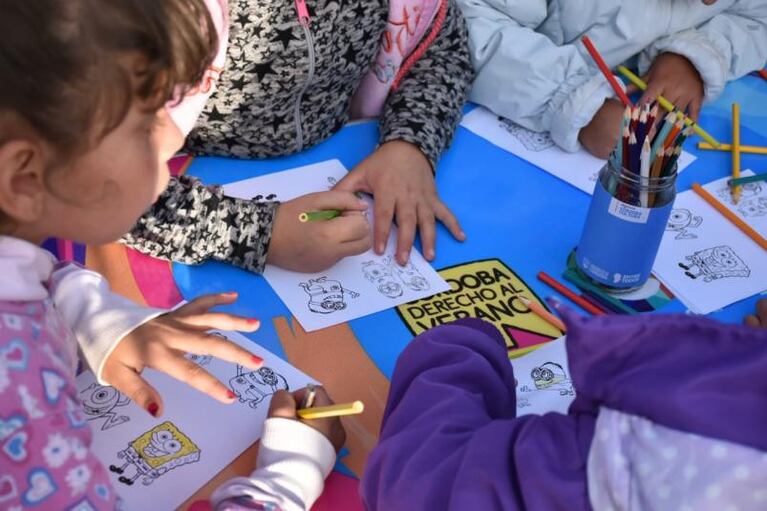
[
  {"x": 253, "y": 387},
  {"x": 155, "y": 453},
  {"x": 715, "y": 263},
  {"x": 326, "y": 295},
  {"x": 550, "y": 376},
  {"x": 381, "y": 276}
]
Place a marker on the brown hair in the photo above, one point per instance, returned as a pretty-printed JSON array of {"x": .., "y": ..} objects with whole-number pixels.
[{"x": 61, "y": 69}]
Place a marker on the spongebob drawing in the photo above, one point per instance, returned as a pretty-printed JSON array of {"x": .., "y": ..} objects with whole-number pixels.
[
  {"x": 155, "y": 453},
  {"x": 533, "y": 141},
  {"x": 252, "y": 387},
  {"x": 680, "y": 221},
  {"x": 326, "y": 295},
  {"x": 100, "y": 402},
  {"x": 715, "y": 263}
]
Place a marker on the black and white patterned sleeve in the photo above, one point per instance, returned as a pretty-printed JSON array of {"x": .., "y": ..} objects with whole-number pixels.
[
  {"x": 191, "y": 223},
  {"x": 427, "y": 106}
]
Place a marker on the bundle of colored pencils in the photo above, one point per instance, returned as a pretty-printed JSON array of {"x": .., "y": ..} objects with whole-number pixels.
[{"x": 647, "y": 148}]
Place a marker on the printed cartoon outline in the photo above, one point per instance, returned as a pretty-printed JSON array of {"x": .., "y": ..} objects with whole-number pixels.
[
  {"x": 715, "y": 263},
  {"x": 101, "y": 402},
  {"x": 326, "y": 295},
  {"x": 381, "y": 275},
  {"x": 753, "y": 207},
  {"x": 532, "y": 140},
  {"x": 747, "y": 191},
  {"x": 252, "y": 387},
  {"x": 268, "y": 198},
  {"x": 550, "y": 376},
  {"x": 410, "y": 276},
  {"x": 155, "y": 453},
  {"x": 682, "y": 219}
]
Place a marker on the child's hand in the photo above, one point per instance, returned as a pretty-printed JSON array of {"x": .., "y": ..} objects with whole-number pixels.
[
  {"x": 316, "y": 246},
  {"x": 759, "y": 318},
  {"x": 399, "y": 176},
  {"x": 162, "y": 343},
  {"x": 601, "y": 135},
  {"x": 284, "y": 404},
  {"x": 676, "y": 79}
]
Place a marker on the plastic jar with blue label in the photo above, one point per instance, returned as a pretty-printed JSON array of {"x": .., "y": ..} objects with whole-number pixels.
[{"x": 624, "y": 227}]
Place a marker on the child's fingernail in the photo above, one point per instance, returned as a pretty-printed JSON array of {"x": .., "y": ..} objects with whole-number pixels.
[
  {"x": 380, "y": 248},
  {"x": 153, "y": 408},
  {"x": 257, "y": 359},
  {"x": 253, "y": 321},
  {"x": 430, "y": 254},
  {"x": 231, "y": 294},
  {"x": 230, "y": 394}
]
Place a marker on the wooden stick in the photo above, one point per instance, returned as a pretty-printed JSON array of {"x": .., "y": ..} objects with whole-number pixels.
[
  {"x": 544, "y": 314},
  {"x": 750, "y": 149},
  {"x": 729, "y": 215}
]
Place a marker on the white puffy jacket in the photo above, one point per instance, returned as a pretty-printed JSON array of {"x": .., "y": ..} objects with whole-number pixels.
[{"x": 532, "y": 68}]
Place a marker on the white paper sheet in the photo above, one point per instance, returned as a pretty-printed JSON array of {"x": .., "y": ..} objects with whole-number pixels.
[
  {"x": 704, "y": 259},
  {"x": 357, "y": 285},
  {"x": 173, "y": 456},
  {"x": 579, "y": 169},
  {"x": 543, "y": 380},
  {"x": 752, "y": 206}
]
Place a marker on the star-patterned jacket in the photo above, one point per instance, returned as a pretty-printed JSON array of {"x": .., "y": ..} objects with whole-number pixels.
[{"x": 287, "y": 85}]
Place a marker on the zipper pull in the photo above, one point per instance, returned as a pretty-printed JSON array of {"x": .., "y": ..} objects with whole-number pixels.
[{"x": 303, "y": 12}]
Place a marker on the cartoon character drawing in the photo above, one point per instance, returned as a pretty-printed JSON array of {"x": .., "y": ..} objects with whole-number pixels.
[
  {"x": 680, "y": 220},
  {"x": 533, "y": 141},
  {"x": 550, "y": 376},
  {"x": 381, "y": 276},
  {"x": 747, "y": 191},
  {"x": 252, "y": 387},
  {"x": 269, "y": 197},
  {"x": 715, "y": 263},
  {"x": 411, "y": 277},
  {"x": 326, "y": 296},
  {"x": 756, "y": 206},
  {"x": 100, "y": 402},
  {"x": 159, "y": 450}
]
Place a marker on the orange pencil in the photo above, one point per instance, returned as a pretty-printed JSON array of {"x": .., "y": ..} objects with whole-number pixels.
[
  {"x": 729, "y": 215},
  {"x": 544, "y": 314},
  {"x": 678, "y": 125}
]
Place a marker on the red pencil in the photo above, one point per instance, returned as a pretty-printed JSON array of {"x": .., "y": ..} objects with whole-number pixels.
[
  {"x": 763, "y": 73},
  {"x": 565, "y": 291},
  {"x": 605, "y": 70}
]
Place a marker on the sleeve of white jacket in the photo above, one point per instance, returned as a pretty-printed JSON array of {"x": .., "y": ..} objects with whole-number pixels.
[
  {"x": 525, "y": 76},
  {"x": 728, "y": 46},
  {"x": 293, "y": 461},
  {"x": 99, "y": 318}
]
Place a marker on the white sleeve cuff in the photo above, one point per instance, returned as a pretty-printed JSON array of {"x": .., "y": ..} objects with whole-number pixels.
[{"x": 98, "y": 317}]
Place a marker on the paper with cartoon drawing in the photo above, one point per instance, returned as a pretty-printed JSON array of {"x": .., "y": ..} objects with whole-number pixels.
[
  {"x": 356, "y": 286},
  {"x": 543, "y": 380},
  {"x": 579, "y": 169},
  {"x": 752, "y": 206},
  {"x": 705, "y": 260},
  {"x": 159, "y": 463}
]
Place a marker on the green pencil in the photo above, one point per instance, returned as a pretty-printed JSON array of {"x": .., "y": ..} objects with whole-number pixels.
[
  {"x": 748, "y": 179},
  {"x": 573, "y": 277},
  {"x": 326, "y": 214}
]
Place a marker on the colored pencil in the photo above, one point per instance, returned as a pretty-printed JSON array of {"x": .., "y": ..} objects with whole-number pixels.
[
  {"x": 676, "y": 130},
  {"x": 605, "y": 70},
  {"x": 745, "y": 180},
  {"x": 644, "y": 173},
  {"x": 544, "y": 314},
  {"x": 660, "y": 137},
  {"x": 729, "y": 215},
  {"x": 735, "y": 150},
  {"x": 313, "y": 216},
  {"x": 565, "y": 291},
  {"x": 596, "y": 303},
  {"x": 634, "y": 153},
  {"x": 750, "y": 149},
  {"x": 573, "y": 277},
  {"x": 324, "y": 412},
  {"x": 668, "y": 106}
]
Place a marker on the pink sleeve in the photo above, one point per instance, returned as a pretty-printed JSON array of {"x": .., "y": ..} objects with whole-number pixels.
[
  {"x": 185, "y": 113},
  {"x": 44, "y": 438}
]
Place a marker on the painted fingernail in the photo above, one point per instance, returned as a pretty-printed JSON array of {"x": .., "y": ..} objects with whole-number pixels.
[
  {"x": 257, "y": 359},
  {"x": 253, "y": 322},
  {"x": 153, "y": 408},
  {"x": 230, "y": 394}
]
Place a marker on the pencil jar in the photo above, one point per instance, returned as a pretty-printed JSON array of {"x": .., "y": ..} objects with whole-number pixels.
[{"x": 624, "y": 227}]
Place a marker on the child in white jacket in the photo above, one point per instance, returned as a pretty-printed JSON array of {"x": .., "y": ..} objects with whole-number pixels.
[{"x": 532, "y": 68}]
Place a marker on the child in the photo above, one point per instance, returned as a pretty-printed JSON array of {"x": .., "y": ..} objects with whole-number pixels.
[
  {"x": 532, "y": 68},
  {"x": 81, "y": 103},
  {"x": 295, "y": 73},
  {"x": 669, "y": 414}
]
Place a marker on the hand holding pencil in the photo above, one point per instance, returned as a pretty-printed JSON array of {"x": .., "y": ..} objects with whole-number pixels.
[{"x": 286, "y": 405}]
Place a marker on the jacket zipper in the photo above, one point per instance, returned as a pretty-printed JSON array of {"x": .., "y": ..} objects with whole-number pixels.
[{"x": 304, "y": 20}]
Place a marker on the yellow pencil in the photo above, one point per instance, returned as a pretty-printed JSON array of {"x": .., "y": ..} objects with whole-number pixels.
[
  {"x": 735, "y": 150},
  {"x": 324, "y": 412},
  {"x": 750, "y": 149},
  {"x": 668, "y": 106},
  {"x": 544, "y": 314}
]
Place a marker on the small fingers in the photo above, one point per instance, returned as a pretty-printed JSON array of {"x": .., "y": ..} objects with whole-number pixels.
[
  {"x": 752, "y": 321},
  {"x": 384, "y": 216},
  {"x": 204, "y": 303},
  {"x": 426, "y": 226},
  {"x": 137, "y": 389},
  {"x": 194, "y": 375},
  {"x": 221, "y": 321},
  {"x": 450, "y": 221},
  {"x": 283, "y": 405},
  {"x": 407, "y": 221},
  {"x": 695, "y": 106},
  {"x": 218, "y": 346}
]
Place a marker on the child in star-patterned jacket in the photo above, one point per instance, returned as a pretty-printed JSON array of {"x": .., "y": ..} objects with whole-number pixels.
[
  {"x": 294, "y": 74},
  {"x": 84, "y": 81}
]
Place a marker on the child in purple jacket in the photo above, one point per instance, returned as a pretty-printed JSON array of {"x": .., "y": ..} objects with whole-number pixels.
[{"x": 670, "y": 413}]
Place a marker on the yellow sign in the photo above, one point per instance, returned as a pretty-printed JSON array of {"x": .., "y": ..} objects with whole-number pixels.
[{"x": 488, "y": 290}]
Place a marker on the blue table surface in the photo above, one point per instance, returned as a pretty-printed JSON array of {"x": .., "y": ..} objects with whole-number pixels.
[{"x": 509, "y": 208}]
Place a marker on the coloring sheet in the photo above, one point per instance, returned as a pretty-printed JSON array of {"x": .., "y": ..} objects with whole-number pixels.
[
  {"x": 356, "y": 286},
  {"x": 579, "y": 169},
  {"x": 543, "y": 380},
  {"x": 752, "y": 206},
  {"x": 704, "y": 259},
  {"x": 159, "y": 463}
]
